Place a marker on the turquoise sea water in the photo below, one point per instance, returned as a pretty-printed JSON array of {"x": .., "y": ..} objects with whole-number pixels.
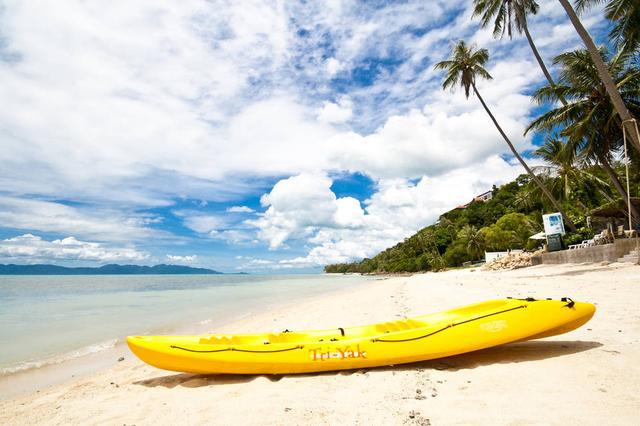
[{"x": 48, "y": 319}]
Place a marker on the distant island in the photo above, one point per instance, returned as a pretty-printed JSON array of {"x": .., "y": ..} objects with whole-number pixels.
[{"x": 111, "y": 269}]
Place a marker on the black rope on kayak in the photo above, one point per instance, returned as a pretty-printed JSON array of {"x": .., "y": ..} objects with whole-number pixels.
[
  {"x": 341, "y": 331},
  {"x": 448, "y": 326},
  {"x": 528, "y": 299},
  {"x": 570, "y": 304},
  {"x": 236, "y": 350}
]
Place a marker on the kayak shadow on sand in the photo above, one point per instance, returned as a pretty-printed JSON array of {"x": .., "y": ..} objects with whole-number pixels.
[{"x": 505, "y": 354}]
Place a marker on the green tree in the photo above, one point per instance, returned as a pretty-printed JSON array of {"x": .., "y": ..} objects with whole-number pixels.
[
  {"x": 608, "y": 82},
  {"x": 496, "y": 238},
  {"x": 463, "y": 67},
  {"x": 625, "y": 15},
  {"x": 520, "y": 227},
  {"x": 589, "y": 120},
  {"x": 567, "y": 170},
  {"x": 524, "y": 199},
  {"x": 435, "y": 260},
  {"x": 456, "y": 254},
  {"x": 473, "y": 240},
  {"x": 507, "y": 14}
]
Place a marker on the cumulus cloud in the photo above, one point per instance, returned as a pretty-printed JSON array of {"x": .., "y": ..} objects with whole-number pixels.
[
  {"x": 302, "y": 204},
  {"x": 32, "y": 248},
  {"x": 340, "y": 230},
  {"x": 336, "y": 112}
]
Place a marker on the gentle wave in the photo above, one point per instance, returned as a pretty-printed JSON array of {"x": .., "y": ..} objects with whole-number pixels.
[{"x": 59, "y": 359}]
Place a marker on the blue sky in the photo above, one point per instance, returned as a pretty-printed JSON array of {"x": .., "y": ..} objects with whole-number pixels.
[{"x": 256, "y": 136}]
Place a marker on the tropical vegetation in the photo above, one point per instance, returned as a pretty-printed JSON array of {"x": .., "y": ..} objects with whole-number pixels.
[
  {"x": 589, "y": 110},
  {"x": 464, "y": 67}
]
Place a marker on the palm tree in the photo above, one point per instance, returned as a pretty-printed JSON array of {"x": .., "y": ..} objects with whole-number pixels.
[
  {"x": 567, "y": 172},
  {"x": 448, "y": 226},
  {"x": 473, "y": 240},
  {"x": 505, "y": 14},
  {"x": 562, "y": 162},
  {"x": 610, "y": 86},
  {"x": 465, "y": 64},
  {"x": 626, "y": 17},
  {"x": 435, "y": 260},
  {"x": 589, "y": 120},
  {"x": 524, "y": 198}
]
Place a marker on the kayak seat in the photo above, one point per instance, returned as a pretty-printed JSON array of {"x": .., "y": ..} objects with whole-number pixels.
[{"x": 400, "y": 325}]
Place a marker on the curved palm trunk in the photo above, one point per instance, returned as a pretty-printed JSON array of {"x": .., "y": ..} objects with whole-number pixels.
[
  {"x": 604, "y": 162},
  {"x": 524, "y": 164},
  {"x": 608, "y": 82},
  {"x": 543, "y": 67}
]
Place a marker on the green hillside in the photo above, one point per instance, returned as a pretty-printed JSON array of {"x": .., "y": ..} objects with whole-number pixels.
[{"x": 504, "y": 222}]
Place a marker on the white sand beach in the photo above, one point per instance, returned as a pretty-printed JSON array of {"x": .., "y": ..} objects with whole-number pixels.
[{"x": 589, "y": 376}]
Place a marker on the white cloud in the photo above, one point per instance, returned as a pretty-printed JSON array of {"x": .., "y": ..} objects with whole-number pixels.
[
  {"x": 200, "y": 222},
  {"x": 333, "y": 66},
  {"x": 450, "y": 132},
  {"x": 210, "y": 90},
  {"x": 300, "y": 205},
  {"x": 240, "y": 209},
  {"x": 339, "y": 229},
  {"x": 234, "y": 236},
  {"x": 141, "y": 103},
  {"x": 100, "y": 224},
  {"x": 339, "y": 112},
  {"x": 33, "y": 249},
  {"x": 181, "y": 259}
]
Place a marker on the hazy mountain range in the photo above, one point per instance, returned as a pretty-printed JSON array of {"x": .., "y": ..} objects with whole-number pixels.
[{"x": 111, "y": 269}]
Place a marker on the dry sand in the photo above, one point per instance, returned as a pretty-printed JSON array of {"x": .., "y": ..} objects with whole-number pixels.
[{"x": 589, "y": 376}]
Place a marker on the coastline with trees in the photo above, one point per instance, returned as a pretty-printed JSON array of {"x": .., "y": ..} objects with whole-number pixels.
[{"x": 590, "y": 152}]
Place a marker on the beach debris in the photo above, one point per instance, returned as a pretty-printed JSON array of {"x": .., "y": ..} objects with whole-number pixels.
[
  {"x": 416, "y": 418},
  {"x": 121, "y": 359},
  {"x": 510, "y": 261}
]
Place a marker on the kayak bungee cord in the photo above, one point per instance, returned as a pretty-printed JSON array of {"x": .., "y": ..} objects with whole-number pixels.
[
  {"x": 447, "y": 327},
  {"x": 342, "y": 333},
  {"x": 480, "y": 325},
  {"x": 237, "y": 350}
]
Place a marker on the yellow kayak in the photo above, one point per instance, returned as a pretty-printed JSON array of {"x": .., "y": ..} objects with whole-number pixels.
[{"x": 438, "y": 335}]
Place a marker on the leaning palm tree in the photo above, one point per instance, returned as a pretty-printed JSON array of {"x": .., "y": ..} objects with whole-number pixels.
[
  {"x": 465, "y": 64},
  {"x": 625, "y": 14},
  {"x": 507, "y": 14},
  {"x": 627, "y": 120},
  {"x": 589, "y": 120}
]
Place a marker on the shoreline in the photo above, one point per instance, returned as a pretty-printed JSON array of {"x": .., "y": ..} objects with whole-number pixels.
[
  {"x": 573, "y": 378},
  {"x": 61, "y": 368}
]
